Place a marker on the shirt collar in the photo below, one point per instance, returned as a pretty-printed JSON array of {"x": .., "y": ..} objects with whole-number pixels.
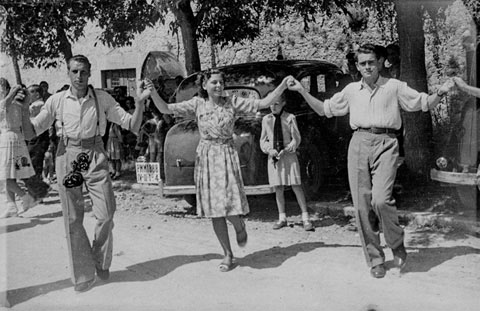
[
  {"x": 70, "y": 94},
  {"x": 381, "y": 81}
]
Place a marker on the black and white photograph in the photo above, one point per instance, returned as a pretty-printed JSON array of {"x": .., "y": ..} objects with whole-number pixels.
[{"x": 239, "y": 155}]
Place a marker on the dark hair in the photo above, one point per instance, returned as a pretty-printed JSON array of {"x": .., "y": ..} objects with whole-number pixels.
[
  {"x": 43, "y": 83},
  {"x": 5, "y": 85},
  {"x": 381, "y": 51},
  {"x": 37, "y": 89},
  {"x": 81, "y": 59},
  {"x": 367, "y": 49},
  {"x": 204, "y": 76}
]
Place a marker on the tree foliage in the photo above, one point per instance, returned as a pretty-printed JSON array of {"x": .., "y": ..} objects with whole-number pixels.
[{"x": 42, "y": 31}]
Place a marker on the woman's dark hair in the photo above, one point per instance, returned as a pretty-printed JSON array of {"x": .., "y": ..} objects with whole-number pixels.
[{"x": 204, "y": 76}]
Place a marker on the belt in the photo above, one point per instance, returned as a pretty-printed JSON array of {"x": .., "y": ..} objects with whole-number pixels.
[
  {"x": 85, "y": 143},
  {"x": 377, "y": 130}
]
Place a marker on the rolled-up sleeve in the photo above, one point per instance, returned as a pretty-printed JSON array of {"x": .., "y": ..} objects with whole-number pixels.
[
  {"x": 410, "y": 99},
  {"x": 337, "y": 105},
  {"x": 114, "y": 112},
  {"x": 46, "y": 116},
  {"x": 245, "y": 105},
  {"x": 186, "y": 108}
]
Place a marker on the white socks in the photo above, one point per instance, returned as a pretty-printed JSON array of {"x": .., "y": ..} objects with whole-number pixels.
[
  {"x": 305, "y": 216},
  {"x": 282, "y": 217}
]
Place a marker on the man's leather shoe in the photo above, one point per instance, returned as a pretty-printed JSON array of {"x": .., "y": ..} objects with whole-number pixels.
[
  {"x": 378, "y": 271},
  {"x": 103, "y": 274},
  {"x": 85, "y": 286},
  {"x": 400, "y": 256}
]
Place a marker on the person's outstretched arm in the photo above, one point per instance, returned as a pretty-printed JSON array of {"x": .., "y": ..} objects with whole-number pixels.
[
  {"x": 275, "y": 94},
  {"x": 160, "y": 103},
  {"x": 315, "y": 103},
  {"x": 144, "y": 90},
  {"x": 462, "y": 85}
]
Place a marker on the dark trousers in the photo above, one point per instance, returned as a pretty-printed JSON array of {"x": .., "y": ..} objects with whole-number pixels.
[
  {"x": 372, "y": 167},
  {"x": 37, "y": 148},
  {"x": 84, "y": 258}
]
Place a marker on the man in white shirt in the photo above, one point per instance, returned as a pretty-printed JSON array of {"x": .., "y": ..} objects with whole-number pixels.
[
  {"x": 80, "y": 114},
  {"x": 38, "y": 145},
  {"x": 373, "y": 105}
]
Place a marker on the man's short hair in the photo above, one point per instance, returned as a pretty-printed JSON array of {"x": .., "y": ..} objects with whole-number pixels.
[
  {"x": 81, "y": 59},
  {"x": 367, "y": 49},
  {"x": 42, "y": 83},
  {"x": 37, "y": 89}
]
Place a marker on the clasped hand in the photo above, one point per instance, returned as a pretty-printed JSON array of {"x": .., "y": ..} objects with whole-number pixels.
[{"x": 144, "y": 89}]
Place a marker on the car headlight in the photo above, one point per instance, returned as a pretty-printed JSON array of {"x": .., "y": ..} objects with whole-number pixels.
[{"x": 442, "y": 163}]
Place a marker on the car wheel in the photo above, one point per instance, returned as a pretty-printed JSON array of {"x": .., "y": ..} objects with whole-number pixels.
[{"x": 311, "y": 169}]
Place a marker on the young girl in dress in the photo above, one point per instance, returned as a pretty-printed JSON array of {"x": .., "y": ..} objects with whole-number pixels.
[
  {"x": 15, "y": 161},
  {"x": 219, "y": 185},
  {"x": 280, "y": 139},
  {"x": 114, "y": 150}
]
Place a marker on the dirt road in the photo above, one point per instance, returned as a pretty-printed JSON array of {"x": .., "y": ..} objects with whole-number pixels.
[{"x": 166, "y": 259}]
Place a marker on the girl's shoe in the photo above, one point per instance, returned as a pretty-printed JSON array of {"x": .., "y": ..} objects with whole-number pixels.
[
  {"x": 280, "y": 224},
  {"x": 308, "y": 226},
  {"x": 11, "y": 210}
]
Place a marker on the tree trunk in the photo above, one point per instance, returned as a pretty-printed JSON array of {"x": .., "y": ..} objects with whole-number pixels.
[
  {"x": 418, "y": 125},
  {"x": 65, "y": 46},
  {"x": 185, "y": 18},
  {"x": 16, "y": 68}
]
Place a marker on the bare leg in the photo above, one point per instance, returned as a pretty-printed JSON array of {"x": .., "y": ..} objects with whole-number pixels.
[
  {"x": 12, "y": 189},
  {"x": 297, "y": 189},
  {"x": 280, "y": 199},
  {"x": 240, "y": 229},
  {"x": 221, "y": 231}
]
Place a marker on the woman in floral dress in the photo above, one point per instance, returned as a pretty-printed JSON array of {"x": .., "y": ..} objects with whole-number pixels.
[{"x": 218, "y": 180}]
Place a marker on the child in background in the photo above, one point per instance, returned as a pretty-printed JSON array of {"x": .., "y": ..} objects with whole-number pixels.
[
  {"x": 280, "y": 139},
  {"x": 114, "y": 150},
  {"x": 15, "y": 161},
  {"x": 48, "y": 165}
]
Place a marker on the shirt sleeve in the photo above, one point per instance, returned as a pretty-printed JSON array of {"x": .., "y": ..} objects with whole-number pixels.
[
  {"x": 245, "y": 105},
  {"x": 114, "y": 112},
  {"x": 46, "y": 116},
  {"x": 337, "y": 105},
  {"x": 185, "y": 108},
  {"x": 265, "y": 143},
  {"x": 410, "y": 99},
  {"x": 296, "y": 138}
]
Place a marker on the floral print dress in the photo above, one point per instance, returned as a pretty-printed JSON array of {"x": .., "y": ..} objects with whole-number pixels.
[{"x": 218, "y": 180}]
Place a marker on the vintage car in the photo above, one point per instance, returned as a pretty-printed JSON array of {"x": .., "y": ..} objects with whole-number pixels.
[{"x": 322, "y": 152}]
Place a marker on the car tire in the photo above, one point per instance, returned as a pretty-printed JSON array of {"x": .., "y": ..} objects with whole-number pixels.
[{"x": 311, "y": 166}]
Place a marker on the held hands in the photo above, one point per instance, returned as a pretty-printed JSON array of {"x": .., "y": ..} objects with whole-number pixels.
[
  {"x": 459, "y": 83},
  {"x": 295, "y": 85},
  {"x": 273, "y": 153},
  {"x": 287, "y": 81},
  {"x": 446, "y": 87},
  {"x": 144, "y": 89}
]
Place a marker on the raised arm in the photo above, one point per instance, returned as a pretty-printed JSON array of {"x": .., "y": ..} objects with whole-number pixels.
[
  {"x": 462, "y": 85},
  {"x": 144, "y": 90},
  {"x": 160, "y": 103},
  {"x": 315, "y": 103},
  {"x": 275, "y": 94}
]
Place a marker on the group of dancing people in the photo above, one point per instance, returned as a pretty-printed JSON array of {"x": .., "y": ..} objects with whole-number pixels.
[{"x": 80, "y": 114}]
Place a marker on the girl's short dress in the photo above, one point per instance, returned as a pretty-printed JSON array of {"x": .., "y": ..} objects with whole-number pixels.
[
  {"x": 285, "y": 171},
  {"x": 15, "y": 162},
  {"x": 218, "y": 179}
]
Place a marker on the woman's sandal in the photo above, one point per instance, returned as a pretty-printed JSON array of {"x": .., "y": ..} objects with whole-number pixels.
[
  {"x": 242, "y": 236},
  {"x": 225, "y": 266}
]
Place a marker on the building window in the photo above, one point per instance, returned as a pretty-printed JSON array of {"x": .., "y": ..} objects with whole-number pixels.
[{"x": 120, "y": 77}]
